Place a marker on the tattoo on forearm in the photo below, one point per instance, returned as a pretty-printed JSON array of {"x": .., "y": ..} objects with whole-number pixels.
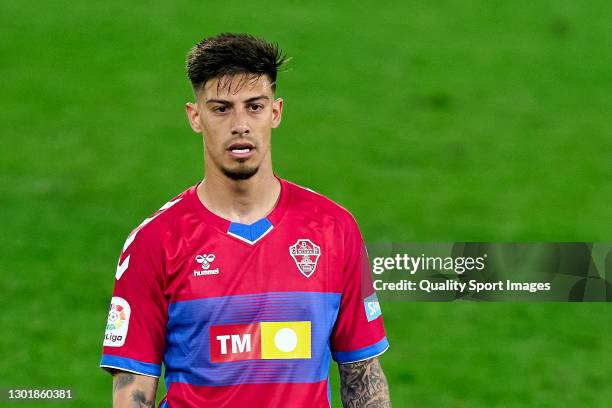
[
  {"x": 122, "y": 380},
  {"x": 363, "y": 384},
  {"x": 140, "y": 401}
]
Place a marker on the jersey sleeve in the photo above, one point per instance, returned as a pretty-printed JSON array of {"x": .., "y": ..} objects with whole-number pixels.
[
  {"x": 359, "y": 332},
  {"x": 134, "y": 340}
]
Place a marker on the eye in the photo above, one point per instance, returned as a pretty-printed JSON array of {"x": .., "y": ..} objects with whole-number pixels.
[
  {"x": 219, "y": 109},
  {"x": 255, "y": 107}
]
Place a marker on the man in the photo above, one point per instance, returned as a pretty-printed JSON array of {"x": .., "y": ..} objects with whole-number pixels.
[{"x": 245, "y": 285}]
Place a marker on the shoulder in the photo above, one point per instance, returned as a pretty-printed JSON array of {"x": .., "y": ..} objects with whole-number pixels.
[
  {"x": 152, "y": 230},
  {"x": 319, "y": 206}
]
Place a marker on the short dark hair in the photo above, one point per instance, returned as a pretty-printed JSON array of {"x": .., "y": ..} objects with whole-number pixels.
[{"x": 228, "y": 54}]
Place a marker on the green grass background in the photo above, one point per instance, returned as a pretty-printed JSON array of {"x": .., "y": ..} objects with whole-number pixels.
[{"x": 430, "y": 121}]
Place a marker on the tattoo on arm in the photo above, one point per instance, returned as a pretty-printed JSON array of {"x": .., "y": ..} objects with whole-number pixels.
[
  {"x": 122, "y": 380},
  {"x": 363, "y": 384},
  {"x": 129, "y": 389},
  {"x": 140, "y": 401}
]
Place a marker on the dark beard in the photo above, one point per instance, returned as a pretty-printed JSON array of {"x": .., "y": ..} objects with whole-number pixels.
[{"x": 240, "y": 173}]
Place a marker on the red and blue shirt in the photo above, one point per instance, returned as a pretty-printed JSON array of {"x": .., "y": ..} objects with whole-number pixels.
[{"x": 244, "y": 315}]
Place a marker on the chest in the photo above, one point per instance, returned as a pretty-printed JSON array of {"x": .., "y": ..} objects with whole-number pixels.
[{"x": 209, "y": 263}]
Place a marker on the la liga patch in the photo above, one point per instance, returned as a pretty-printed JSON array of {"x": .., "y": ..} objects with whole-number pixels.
[{"x": 117, "y": 323}]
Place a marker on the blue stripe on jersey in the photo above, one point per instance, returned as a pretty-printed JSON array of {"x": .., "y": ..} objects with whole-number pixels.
[
  {"x": 187, "y": 357},
  {"x": 251, "y": 232},
  {"x": 128, "y": 364},
  {"x": 364, "y": 353}
]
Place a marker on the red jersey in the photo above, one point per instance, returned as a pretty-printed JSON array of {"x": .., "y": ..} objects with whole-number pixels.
[{"x": 244, "y": 315}]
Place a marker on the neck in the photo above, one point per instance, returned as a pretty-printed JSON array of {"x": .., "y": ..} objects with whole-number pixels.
[{"x": 243, "y": 201}]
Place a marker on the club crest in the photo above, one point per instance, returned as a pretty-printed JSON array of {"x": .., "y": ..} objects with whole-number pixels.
[{"x": 305, "y": 254}]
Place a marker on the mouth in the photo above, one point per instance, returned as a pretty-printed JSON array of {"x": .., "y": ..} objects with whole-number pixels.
[{"x": 241, "y": 150}]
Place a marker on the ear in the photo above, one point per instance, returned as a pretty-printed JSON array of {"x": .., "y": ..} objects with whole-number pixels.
[
  {"x": 193, "y": 115},
  {"x": 277, "y": 112}
]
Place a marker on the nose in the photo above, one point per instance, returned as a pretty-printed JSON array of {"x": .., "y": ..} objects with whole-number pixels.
[
  {"x": 240, "y": 130},
  {"x": 241, "y": 125}
]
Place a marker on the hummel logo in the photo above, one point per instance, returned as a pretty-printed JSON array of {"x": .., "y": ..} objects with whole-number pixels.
[{"x": 205, "y": 260}]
